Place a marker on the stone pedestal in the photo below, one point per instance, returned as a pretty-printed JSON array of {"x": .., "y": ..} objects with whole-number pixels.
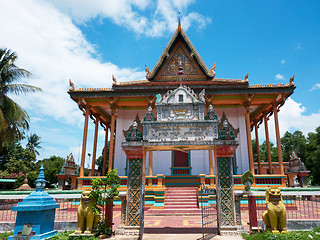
[
  {"x": 291, "y": 179},
  {"x": 303, "y": 178}
]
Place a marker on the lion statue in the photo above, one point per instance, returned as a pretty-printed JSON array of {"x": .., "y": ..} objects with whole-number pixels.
[
  {"x": 87, "y": 220},
  {"x": 275, "y": 217}
]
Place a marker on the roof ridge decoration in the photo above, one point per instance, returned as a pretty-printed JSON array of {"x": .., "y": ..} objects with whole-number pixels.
[{"x": 210, "y": 74}]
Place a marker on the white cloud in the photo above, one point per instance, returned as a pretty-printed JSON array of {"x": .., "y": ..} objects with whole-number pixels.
[
  {"x": 132, "y": 15},
  {"x": 54, "y": 50},
  {"x": 283, "y": 62},
  {"x": 291, "y": 118},
  {"x": 279, "y": 76},
  {"x": 315, "y": 87}
]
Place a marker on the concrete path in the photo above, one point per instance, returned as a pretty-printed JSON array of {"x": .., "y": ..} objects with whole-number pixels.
[{"x": 175, "y": 237}]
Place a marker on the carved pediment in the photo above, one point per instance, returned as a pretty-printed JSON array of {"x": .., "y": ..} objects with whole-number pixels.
[{"x": 170, "y": 67}]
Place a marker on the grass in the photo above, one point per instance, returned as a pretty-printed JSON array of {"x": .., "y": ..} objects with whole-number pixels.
[
  {"x": 60, "y": 236},
  {"x": 5, "y": 235},
  {"x": 292, "y": 235}
]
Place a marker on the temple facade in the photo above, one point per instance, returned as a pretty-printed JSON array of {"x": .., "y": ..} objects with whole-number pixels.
[{"x": 246, "y": 107}]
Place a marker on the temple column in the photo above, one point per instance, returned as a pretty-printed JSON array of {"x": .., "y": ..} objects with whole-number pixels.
[
  {"x": 150, "y": 168},
  {"x": 210, "y": 162},
  {"x": 105, "y": 152},
  {"x": 136, "y": 156},
  {"x": 265, "y": 119},
  {"x": 84, "y": 145},
  {"x": 94, "y": 151},
  {"x": 276, "y": 123},
  {"x": 112, "y": 131},
  {"x": 258, "y": 148},
  {"x": 249, "y": 143}
]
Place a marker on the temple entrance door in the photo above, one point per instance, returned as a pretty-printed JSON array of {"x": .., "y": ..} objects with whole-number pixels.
[{"x": 180, "y": 163}]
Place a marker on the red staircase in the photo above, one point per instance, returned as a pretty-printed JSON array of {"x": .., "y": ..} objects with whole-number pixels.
[{"x": 179, "y": 200}]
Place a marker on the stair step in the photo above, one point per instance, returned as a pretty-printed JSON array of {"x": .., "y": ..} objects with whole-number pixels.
[
  {"x": 180, "y": 194},
  {"x": 181, "y": 197},
  {"x": 186, "y": 191},
  {"x": 181, "y": 207},
  {"x": 180, "y": 203},
  {"x": 181, "y": 200}
]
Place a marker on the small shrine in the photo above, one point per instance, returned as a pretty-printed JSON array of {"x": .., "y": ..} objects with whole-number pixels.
[
  {"x": 35, "y": 214},
  {"x": 68, "y": 170},
  {"x": 297, "y": 172}
]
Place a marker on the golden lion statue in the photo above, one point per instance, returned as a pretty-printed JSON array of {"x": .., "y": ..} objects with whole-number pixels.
[
  {"x": 87, "y": 220},
  {"x": 275, "y": 217}
]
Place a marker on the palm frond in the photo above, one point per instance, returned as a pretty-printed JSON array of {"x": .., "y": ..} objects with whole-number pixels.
[{"x": 22, "y": 88}]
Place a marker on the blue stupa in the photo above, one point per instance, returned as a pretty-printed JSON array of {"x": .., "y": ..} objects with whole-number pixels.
[{"x": 36, "y": 213}]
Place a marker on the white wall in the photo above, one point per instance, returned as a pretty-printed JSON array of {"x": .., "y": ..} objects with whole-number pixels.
[
  {"x": 125, "y": 119},
  {"x": 236, "y": 117}
]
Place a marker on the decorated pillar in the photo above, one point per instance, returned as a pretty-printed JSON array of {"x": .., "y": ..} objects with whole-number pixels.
[
  {"x": 224, "y": 172},
  {"x": 94, "y": 150},
  {"x": 84, "y": 144},
  {"x": 210, "y": 162},
  {"x": 112, "y": 131},
  {"x": 258, "y": 148},
  {"x": 105, "y": 152},
  {"x": 249, "y": 142},
  {"x": 150, "y": 168},
  {"x": 265, "y": 119},
  {"x": 135, "y": 183},
  {"x": 276, "y": 123}
]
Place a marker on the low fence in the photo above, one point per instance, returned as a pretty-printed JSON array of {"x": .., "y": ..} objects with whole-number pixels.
[
  {"x": 67, "y": 210},
  {"x": 300, "y": 205},
  {"x": 161, "y": 180}
]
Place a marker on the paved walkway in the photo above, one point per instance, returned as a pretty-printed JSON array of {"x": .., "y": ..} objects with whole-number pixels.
[
  {"x": 185, "y": 227},
  {"x": 175, "y": 237}
]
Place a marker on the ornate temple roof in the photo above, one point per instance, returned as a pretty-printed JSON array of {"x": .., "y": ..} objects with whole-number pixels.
[{"x": 219, "y": 92}]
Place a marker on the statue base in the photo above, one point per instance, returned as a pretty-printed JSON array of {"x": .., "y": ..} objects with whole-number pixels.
[
  {"x": 34, "y": 237},
  {"x": 128, "y": 230},
  {"x": 232, "y": 230}
]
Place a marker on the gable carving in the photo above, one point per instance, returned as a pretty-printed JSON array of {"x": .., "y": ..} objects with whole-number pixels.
[{"x": 172, "y": 67}]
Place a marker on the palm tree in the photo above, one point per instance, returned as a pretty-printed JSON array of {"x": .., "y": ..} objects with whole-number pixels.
[
  {"x": 13, "y": 119},
  {"x": 33, "y": 143}
]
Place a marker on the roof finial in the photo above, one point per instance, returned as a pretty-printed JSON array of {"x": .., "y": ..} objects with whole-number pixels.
[{"x": 179, "y": 25}]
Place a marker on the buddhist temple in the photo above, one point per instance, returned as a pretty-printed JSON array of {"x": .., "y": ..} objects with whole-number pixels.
[{"x": 246, "y": 107}]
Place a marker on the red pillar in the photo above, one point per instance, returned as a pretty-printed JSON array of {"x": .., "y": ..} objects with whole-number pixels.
[{"x": 253, "y": 213}]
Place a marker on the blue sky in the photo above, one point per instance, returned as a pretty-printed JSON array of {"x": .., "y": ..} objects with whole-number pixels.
[{"x": 88, "y": 41}]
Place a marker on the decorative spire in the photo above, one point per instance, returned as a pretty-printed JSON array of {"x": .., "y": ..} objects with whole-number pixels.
[
  {"x": 179, "y": 25},
  {"x": 41, "y": 182}
]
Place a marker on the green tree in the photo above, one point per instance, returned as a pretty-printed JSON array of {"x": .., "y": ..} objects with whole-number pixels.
[
  {"x": 15, "y": 159},
  {"x": 52, "y": 167},
  {"x": 33, "y": 144},
  {"x": 99, "y": 161},
  {"x": 312, "y": 160},
  {"x": 264, "y": 152},
  {"x": 293, "y": 142},
  {"x": 13, "y": 119}
]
